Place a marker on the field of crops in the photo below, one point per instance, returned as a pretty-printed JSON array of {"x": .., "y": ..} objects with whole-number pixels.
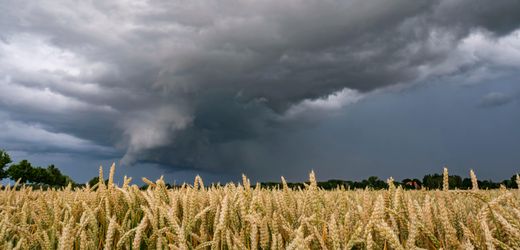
[{"x": 238, "y": 216}]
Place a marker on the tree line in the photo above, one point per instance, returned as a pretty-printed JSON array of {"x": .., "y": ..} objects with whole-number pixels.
[
  {"x": 52, "y": 176},
  {"x": 429, "y": 181},
  {"x": 25, "y": 172}
]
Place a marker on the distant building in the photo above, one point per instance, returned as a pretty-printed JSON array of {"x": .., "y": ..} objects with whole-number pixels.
[{"x": 413, "y": 184}]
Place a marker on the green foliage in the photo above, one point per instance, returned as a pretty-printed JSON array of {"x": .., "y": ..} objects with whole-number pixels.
[
  {"x": 55, "y": 177},
  {"x": 511, "y": 183},
  {"x": 25, "y": 172},
  {"x": 430, "y": 181},
  {"x": 435, "y": 182},
  {"x": 22, "y": 171},
  {"x": 376, "y": 183},
  {"x": 4, "y": 160},
  {"x": 95, "y": 181}
]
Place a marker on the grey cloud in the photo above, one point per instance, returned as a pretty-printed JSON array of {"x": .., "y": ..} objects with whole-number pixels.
[
  {"x": 201, "y": 85},
  {"x": 36, "y": 138},
  {"x": 495, "y": 99}
]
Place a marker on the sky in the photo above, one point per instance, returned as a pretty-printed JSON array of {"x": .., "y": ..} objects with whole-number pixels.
[{"x": 349, "y": 88}]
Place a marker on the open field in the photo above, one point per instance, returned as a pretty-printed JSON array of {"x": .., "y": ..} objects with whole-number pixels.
[{"x": 240, "y": 217}]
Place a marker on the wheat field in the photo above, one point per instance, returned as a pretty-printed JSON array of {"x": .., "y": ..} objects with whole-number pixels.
[{"x": 237, "y": 216}]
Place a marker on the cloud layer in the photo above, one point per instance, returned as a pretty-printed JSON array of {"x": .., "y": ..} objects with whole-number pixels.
[{"x": 205, "y": 84}]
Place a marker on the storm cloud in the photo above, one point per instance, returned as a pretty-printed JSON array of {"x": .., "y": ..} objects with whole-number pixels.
[{"x": 207, "y": 85}]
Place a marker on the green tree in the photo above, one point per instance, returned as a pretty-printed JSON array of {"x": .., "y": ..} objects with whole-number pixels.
[
  {"x": 432, "y": 181},
  {"x": 375, "y": 182},
  {"x": 37, "y": 175},
  {"x": 466, "y": 183},
  {"x": 95, "y": 181},
  {"x": 4, "y": 160},
  {"x": 22, "y": 170},
  {"x": 455, "y": 181},
  {"x": 40, "y": 175},
  {"x": 55, "y": 177}
]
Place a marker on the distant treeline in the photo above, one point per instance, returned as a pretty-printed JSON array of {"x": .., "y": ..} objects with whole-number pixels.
[
  {"x": 430, "y": 181},
  {"x": 51, "y": 176},
  {"x": 26, "y": 173}
]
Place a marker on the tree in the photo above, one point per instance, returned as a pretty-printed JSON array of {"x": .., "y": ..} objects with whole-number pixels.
[
  {"x": 95, "y": 181},
  {"x": 4, "y": 160},
  {"x": 375, "y": 182},
  {"x": 40, "y": 175},
  {"x": 511, "y": 183},
  {"x": 22, "y": 170},
  {"x": 37, "y": 175},
  {"x": 455, "y": 181},
  {"x": 55, "y": 177},
  {"x": 466, "y": 183},
  {"x": 432, "y": 181},
  {"x": 435, "y": 181}
]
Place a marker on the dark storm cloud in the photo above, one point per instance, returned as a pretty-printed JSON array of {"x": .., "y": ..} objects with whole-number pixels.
[{"x": 205, "y": 84}]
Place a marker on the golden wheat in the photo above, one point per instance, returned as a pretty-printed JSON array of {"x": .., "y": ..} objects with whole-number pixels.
[{"x": 237, "y": 216}]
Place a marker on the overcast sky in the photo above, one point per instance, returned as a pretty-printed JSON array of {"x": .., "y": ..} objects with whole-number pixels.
[{"x": 349, "y": 88}]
